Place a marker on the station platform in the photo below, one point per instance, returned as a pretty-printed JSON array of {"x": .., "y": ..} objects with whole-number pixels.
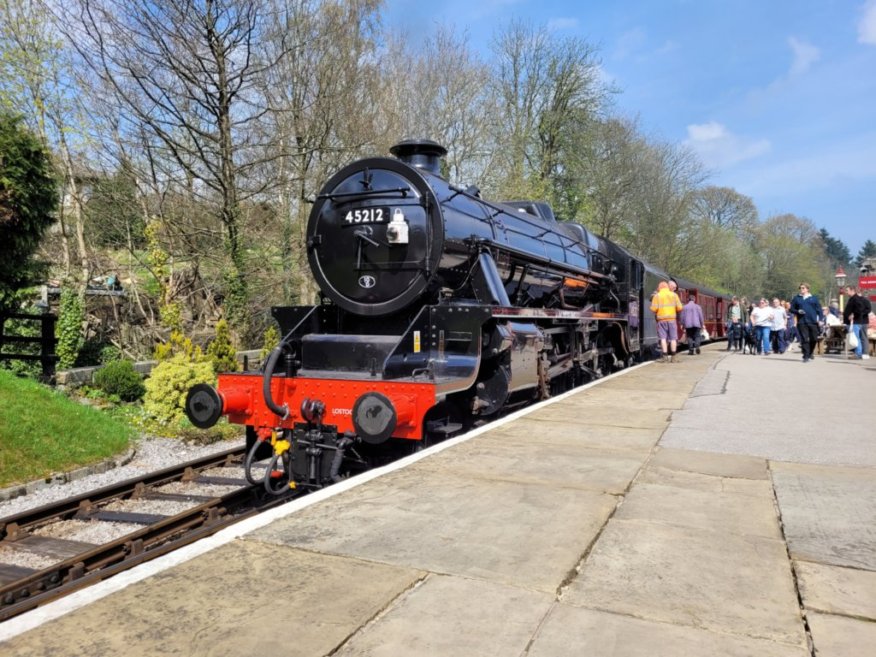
[{"x": 721, "y": 505}]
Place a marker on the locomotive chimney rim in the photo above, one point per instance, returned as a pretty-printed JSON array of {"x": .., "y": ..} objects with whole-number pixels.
[{"x": 421, "y": 154}]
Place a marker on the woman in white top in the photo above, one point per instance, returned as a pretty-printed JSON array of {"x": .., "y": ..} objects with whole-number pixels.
[
  {"x": 777, "y": 331},
  {"x": 762, "y": 320}
]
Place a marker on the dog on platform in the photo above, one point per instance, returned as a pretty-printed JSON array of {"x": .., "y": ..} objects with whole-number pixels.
[{"x": 749, "y": 340}]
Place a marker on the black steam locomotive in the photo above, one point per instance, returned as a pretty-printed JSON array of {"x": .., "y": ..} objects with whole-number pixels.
[{"x": 439, "y": 310}]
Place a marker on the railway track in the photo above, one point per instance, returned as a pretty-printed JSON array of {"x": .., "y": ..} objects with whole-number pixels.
[{"x": 50, "y": 551}]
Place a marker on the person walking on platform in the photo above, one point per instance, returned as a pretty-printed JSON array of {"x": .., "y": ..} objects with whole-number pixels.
[
  {"x": 790, "y": 327},
  {"x": 777, "y": 332},
  {"x": 857, "y": 315},
  {"x": 762, "y": 321},
  {"x": 666, "y": 305},
  {"x": 693, "y": 321},
  {"x": 735, "y": 325},
  {"x": 807, "y": 309}
]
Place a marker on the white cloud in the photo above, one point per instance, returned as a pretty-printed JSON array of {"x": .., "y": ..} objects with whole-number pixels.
[
  {"x": 719, "y": 148},
  {"x": 630, "y": 43},
  {"x": 826, "y": 167},
  {"x": 805, "y": 55},
  {"x": 559, "y": 24},
  {"x": 867, "y": 24}
]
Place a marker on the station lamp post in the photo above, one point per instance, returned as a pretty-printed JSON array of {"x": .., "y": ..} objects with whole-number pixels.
[{"x": 840, "y": 283}]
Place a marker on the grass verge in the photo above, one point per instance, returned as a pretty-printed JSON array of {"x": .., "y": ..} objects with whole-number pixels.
[{"x": 42, "y": 431}]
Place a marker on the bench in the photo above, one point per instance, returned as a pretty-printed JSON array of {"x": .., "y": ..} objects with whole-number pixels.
[{"x": 834, "y": 340}]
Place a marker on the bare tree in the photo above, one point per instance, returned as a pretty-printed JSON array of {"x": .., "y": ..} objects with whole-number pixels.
[
  {"x": 439, "y": 88},
  {"x": 184, "y": 74},
  {"x": 324, "y": 102},
  {"x": 39, "y": 83},
  {"x": 547, "y": 89},
  {"x": 606, "y": 166},
  {"x": 660, "y": 228}
]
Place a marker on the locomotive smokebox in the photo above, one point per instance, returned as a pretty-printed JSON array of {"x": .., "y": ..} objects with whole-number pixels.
[{"x": 420, "y": 153}]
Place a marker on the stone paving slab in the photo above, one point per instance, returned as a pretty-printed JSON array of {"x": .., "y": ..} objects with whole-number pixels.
[
  {"x": 283, "y": 602},
  {"x": 575, "y": 632},
  {"x": 708, "y": 463},
  {"x": 713, "y": 383},
  {"x": 507, "y": 532},
  {"x": 719, "y": 581},
  {"x": 745, "y": 515},
  {"x": 569, "y": 465},
  {"x": 837, "y": 636},
  {"x": 706, "y": 483},
  {"x": 610, "y": 418},
  {"x": 630, "y": 399},
  {"x": 829, "y": 513},
  {"x": 615, "y": 415},
  {"x": 837, "y": 590},
  {"x": 454, "y": 617},
  {"x": 556, "y": 430}
]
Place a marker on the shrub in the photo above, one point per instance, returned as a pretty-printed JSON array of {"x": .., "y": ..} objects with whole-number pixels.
[
  {"x": 119, "y": 377},
  {"x": 221, "y": 351},
  {"x": 169, "y": 383},
  {"x": 178, "y": 344},
  {"x": 270, "y": 340},
  {"x": 69, "y": 328},
  {"x": 109, "y": 353}
]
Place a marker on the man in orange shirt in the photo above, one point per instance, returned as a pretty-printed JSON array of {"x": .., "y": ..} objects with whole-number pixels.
[{"x": 666, "y": 305}]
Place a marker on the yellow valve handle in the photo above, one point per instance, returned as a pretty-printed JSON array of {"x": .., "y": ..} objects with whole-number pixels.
[{"x": 281, "y": 446}]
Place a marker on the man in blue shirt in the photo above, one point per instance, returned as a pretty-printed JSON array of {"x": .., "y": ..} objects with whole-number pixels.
[{"x": 807, "y": 309}]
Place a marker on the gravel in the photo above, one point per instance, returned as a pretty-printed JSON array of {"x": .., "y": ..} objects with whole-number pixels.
[
  {"x": 150, "y": 454},
  {"x": 25, "y": 559},
  {"x": 87, "y": 531}
]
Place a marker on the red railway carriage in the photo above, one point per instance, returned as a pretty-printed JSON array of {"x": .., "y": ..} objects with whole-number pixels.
[{"x": 714, "y": 305}]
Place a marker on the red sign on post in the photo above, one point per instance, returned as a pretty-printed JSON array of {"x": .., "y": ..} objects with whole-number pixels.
[{"x": 867, "y": 287}]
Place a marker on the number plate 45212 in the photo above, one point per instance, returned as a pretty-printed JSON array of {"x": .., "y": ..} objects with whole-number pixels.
[{"x": 367, "y": 216}]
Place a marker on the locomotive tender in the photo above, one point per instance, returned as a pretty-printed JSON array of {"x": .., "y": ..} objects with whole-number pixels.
[{"x": 439, "y": 310}]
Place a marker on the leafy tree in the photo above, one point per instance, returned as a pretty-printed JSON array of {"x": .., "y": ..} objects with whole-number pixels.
[
  {"x": 608, "y": 175},
  {"x": 28, "y": 199},
  {"x": 835, "y": 250},
  {"x": 548, "y": 90},
  {"x": 790, "y": 249},
  {"x": 867, "y": 251},
  {"x": 727, "y": 208},
  {"x": 111, "y": 213}
]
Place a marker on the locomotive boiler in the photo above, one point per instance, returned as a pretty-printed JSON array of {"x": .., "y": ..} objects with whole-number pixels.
[{"x": 438, "y": 310}]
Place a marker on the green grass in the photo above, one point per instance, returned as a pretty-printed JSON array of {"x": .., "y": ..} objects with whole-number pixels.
[{"x": 42, "y": 431}]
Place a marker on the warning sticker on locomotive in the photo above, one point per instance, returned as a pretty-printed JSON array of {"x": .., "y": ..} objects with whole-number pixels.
[
  {"x": 416, "y": 342},
  {"x": 367, "y": 216}
]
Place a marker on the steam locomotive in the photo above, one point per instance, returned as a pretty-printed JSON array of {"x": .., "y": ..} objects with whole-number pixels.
[{"x": 439, "y": 310}]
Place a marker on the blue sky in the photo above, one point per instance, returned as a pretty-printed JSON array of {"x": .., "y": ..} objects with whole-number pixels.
[{"x": 778, "y": 97}]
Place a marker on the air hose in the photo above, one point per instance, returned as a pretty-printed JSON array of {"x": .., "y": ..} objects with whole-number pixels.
[{"x": 282, "y": 411}]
